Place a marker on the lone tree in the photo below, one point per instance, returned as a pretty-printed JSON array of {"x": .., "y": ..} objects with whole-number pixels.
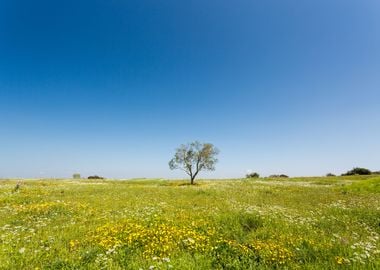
[{"x": 194, "y": 157}]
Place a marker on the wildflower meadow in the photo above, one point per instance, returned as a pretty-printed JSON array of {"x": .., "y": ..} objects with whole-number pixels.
[{"x": 295, "y": 223}]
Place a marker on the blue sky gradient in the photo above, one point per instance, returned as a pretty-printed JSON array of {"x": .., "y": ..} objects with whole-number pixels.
[{"x": 113, "y": 87}]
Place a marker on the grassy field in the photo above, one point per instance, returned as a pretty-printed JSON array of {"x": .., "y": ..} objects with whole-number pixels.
[{"x": 299, "y": 223}]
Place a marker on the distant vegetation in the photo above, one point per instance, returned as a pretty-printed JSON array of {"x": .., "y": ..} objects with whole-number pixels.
[
  {"x": 278, "y": 176},
  {"x": 76, "y": 175},
  {"x": 253, "y": 175},
  {"x": 95, "y": 177},
  {"x": 358, "y": 171},
  {"x": 330, "y": 175}
]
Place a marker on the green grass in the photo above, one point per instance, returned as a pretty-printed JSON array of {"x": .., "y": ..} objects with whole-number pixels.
[
  {"x": 371, "y": 185},
  {"x": 295, "y": 223}
]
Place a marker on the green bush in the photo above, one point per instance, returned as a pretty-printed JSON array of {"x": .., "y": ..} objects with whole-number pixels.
[
  {"x": 357, "y": 171},
  {"x": 253, "y": 175},
  {"x": 278, "y": 176},
  {"x": 95, "y": 177}
]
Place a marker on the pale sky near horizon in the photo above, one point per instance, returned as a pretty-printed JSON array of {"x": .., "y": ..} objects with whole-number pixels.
[{"x": 113, "y": 87}]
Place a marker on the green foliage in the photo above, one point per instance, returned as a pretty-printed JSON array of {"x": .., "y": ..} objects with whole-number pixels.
[
  {"x": 253, "y": 175},
  {"x": 330, "y": 175},
  {"x": 357, "y": 171},
  {"x": 194, "y": 157},
  {"x": 95, "y": 177},
  {"x": 76, "y": 176},
  {"x": 278, "y": 176}
]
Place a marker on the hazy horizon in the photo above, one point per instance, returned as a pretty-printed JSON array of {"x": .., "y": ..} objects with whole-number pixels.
[{"x": 113, "y": 87}]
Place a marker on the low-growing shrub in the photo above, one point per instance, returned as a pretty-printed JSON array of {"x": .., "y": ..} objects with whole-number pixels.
[
  {"x": 278, "y": 176},
  {"x": 330, "y": 175},
  {"x": 95, "y": 177},
  {"x": 357, "y": 171},
  {"x": 253, "y": 175}
]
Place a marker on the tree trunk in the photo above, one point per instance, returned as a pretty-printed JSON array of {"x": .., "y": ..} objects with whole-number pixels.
[
  {"x": 194, "y": 175},
  {"x": 192, "y": 180}
]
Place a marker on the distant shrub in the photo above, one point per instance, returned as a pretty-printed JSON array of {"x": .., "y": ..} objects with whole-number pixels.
[
  {"x": 357, "y": 171},
  {"x": 253, "y": 175},
  {"x": 330, "y": 175},
  {"x": 278, "y": 176},
  {"x": 76, "y": 175},
  {"x": 376, "y": 173},
  {"x": 95, "y": 177}
]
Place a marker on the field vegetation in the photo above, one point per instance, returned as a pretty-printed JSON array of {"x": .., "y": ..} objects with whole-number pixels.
[{"x": 272, "y": 223}]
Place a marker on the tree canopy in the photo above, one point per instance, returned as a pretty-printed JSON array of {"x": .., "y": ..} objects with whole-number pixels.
[{"x": 194, "y": 157}]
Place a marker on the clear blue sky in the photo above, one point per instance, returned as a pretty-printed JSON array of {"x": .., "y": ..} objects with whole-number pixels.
[{"x": 112, "y": 87}]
